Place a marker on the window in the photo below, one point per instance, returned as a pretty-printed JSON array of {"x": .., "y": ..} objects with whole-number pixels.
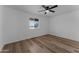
[{"x": 33, "y": 23}]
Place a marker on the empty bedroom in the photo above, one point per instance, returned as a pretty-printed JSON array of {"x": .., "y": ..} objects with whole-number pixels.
[{"x": 39, "y": 28}]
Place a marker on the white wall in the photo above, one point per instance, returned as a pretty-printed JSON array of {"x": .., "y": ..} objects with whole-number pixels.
[
  {"x": 15, "y": 25},
  {"x": 1, "y": 38},
  {"x": 66, "y": 25}
]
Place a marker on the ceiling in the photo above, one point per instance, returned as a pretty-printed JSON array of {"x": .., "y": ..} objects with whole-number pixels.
[{"x": 61, "y": 9}]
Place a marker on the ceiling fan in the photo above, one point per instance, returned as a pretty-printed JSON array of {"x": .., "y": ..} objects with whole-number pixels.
[{"x": 48, "y": 8}]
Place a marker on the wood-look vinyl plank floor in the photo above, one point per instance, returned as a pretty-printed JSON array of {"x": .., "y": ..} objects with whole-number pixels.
[{"x": 43, "y": 44}]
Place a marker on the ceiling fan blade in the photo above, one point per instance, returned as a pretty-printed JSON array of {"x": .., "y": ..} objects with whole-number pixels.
[
  {"x": 43, "y": 6},
  {"x": 51, "y": 11},
  {"x": 54, "y": 6}
]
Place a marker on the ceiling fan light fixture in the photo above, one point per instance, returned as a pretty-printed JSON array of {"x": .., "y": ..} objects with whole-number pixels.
[
  {"x": 49, "y": 8},
  {"x": 47, "y": 11}
]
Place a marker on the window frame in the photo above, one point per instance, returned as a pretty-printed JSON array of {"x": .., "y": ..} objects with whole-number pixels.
[{"x": 36, "y": 21}]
